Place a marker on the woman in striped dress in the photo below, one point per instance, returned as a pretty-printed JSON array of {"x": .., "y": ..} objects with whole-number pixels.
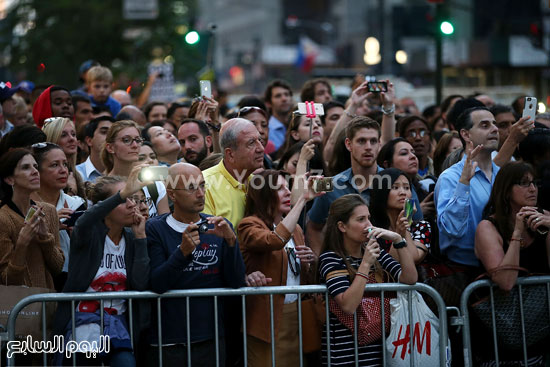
[{"x": 350, "y": 252}]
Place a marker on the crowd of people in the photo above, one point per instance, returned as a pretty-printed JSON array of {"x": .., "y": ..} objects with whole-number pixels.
[{"x": 464, "y": 183}]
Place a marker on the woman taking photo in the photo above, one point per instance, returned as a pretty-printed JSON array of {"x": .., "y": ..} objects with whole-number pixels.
[
  {"x": 299, "y": 131},
  {"x": 108, "y": 253},
  {"x": 514, "y": 233},
  {"x": 121, "y": 152},
  {"x": 387, "y": 211},
  {"x": 271, "y": 242},
  {"x": 350, "y": 254},
  {"x": 54, "y": 174},
  {"x": 29, "y": 247}
]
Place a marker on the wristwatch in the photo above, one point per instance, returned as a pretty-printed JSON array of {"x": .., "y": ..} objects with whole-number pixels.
[
  {"x": 388, "y": 111},
  {"x": 400, "y": 244}
]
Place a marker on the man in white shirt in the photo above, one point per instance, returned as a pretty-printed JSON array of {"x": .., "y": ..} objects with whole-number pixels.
[{"x": 96, "y": 131}]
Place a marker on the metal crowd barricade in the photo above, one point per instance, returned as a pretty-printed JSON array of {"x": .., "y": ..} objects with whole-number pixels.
[
  {"x": 465, "y": 322},
  {"x": 243, "y": 292}
]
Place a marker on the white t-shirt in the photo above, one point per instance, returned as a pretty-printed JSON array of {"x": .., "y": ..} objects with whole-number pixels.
[
  {"x": 161, "y": 189},
  {"x": 110, "y": 276},
  {"x": 71, "y": 202},
  {"x": 291, "y": 279}
]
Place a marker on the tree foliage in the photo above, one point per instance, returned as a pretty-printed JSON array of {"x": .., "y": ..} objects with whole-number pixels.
[{"x": 61, "y": 34}]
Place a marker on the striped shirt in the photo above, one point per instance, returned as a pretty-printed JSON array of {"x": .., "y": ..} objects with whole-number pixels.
[{"x": 341, "y": 338}]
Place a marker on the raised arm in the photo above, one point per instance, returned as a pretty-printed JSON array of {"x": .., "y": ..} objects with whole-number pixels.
[
  {"x": 388, "y": 118},
  {"x": 518, "y": 132},
  {"x": 358, "y": 96}
]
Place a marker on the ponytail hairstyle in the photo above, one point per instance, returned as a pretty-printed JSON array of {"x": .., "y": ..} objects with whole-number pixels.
[
  {"x": 8, "y": 163},
  {"x": 101, "y": 189},
  {"x": 106, "y": 157}
]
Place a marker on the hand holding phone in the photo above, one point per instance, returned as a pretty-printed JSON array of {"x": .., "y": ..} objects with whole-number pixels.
[
  {"x": 377, "y": 87},
  {"x": 71, "y": 221},
  {"x": 323, "y": 184},
  {"x": 30, "y": 213},
  {"x": 206, "y": 88},
  {"x": 530, "y": 108}
]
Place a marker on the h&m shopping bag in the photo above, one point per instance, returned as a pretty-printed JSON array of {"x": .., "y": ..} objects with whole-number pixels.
[{"x": 425, "y": 333}]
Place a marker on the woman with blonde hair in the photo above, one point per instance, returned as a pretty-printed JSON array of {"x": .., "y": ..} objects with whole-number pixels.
[
  {"x": 120, "y": 154},
  {"x": 61, "y": 131}
]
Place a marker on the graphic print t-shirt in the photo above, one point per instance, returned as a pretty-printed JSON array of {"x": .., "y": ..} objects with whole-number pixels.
[{"x": 110, "y": 276}]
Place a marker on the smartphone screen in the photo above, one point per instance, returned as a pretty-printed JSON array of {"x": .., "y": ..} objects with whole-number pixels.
[
  {"x": 409, "y": 209},
  {"x": 377, "y": 87},
  {"x": 154, "y": 173}
]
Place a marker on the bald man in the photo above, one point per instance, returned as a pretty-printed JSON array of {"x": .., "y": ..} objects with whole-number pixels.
[
  {"x": 243, "y": 153},
  {"x": 122, "y": 97},
  {"x": 184, "y": 257},
  {"x": 131, "y": 112}
]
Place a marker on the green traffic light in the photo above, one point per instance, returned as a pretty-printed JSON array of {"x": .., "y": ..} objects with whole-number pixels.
[
  {"x": 447, "y": 27},
  {"x": 192, "y": 37}
]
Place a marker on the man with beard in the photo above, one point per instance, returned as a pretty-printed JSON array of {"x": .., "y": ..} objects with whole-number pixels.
[
  {"x": 363, "y": 143},
  {"x": 195, "y": 140},
  {"x": 278, "y": 99}
]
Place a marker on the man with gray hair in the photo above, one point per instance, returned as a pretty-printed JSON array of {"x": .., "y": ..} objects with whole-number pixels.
[{"x": 243, "y": 153}]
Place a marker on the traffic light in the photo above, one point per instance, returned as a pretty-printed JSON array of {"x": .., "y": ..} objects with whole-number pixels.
[
  {"x": 192, "y": 37},
  {"x": 535, "y": 33},
  {"x": 446, "y": 27}
]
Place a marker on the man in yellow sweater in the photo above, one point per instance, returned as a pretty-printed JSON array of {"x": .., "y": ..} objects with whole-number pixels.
[{"x": 243, "y": 153}]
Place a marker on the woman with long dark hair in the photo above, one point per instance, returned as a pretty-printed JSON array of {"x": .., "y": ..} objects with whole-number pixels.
[
  {"x": 514, "y": 233},
  {"x": 29, "y": 246},
  {"x": 272, "y": 242},
  {"x": 350, "y": 256},
  {"x": 299, "y": 129},
  {"x": 399, "y": 153},
  {"x": 390, "y": 190},
  {"x": 54, "y": 173}
]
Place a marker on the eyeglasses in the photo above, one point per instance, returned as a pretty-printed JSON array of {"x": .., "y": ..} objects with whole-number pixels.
[
  {"x": 126, "y": 140},
  {"x": 136, "y": 200},
  {"x": 192, "y": 189},
  {"x": 292, "y": 261},
  {"x": 247, "y": 109},
  {"x": 413, "y": 134},
  {"x": 525, "y": 184}
]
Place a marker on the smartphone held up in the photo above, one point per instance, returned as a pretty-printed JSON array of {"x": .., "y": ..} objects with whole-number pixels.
[
  {"x": 206, "y": 88},
  {"x": 153, "y": 173},
  {"x": 530, "y": 108},
  {"x": 377, "y": 87}
]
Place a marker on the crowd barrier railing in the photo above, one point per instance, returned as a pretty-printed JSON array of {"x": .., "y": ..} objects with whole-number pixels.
[
  {"x": 243, "y": 293},
  {"x": 465, "y": 303}
]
